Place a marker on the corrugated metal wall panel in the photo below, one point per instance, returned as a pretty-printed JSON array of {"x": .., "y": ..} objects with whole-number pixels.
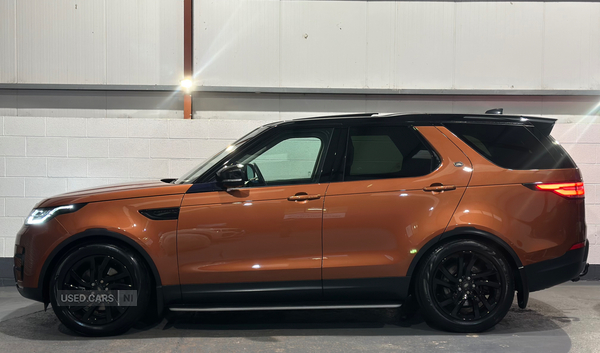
[
  {"x": 144, "y": 42},
  {"x": 61, "y": 41},
  {"x": 424, "y": 45},
  {"x": 398, "y": 44},
  {"x": 236, "y": 42},
  {"x": 8, "y": 68},
  {"x": 323, "y": 43},
  {"x": 571, "y": 57},
  {"x": 315, "y": 44},
  {"x": 499, "y": 45},
  {"x": 381, "y": 23}
]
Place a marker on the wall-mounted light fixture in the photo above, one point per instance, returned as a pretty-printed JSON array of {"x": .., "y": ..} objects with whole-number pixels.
[{"x": 187, "y": 84}]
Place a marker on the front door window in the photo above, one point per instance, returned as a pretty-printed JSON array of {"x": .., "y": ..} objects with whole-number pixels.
[{"x": 288, "y": 159}]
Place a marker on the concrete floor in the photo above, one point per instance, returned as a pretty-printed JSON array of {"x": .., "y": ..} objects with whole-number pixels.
[{"x": 565, "y": 318}]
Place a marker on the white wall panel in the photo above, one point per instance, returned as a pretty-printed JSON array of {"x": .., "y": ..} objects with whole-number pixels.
[
  {"x": 424, "y": 45},
  {"x": 499, "y": 45},
  {"x": 571, "y": 46},
  {"x": 323, "y": 43},
  {"x": 144, "y": 43},
  {"x": 398, "y": 44},
  {"x": 8, "y": 68},
  {"x": 61, "y": 41},
  {"x": 381, "y": 49},
  {"x": 236, "y": 42}
]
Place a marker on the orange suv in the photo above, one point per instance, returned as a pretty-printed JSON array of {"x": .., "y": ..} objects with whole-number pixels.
[{"x": 353, "y": 211}]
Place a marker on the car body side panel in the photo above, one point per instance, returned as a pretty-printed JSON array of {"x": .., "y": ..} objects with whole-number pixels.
[
  {"x": 372, "y": 228},
  {"x": 251, "y": 235},
  {"x": 156, "y": 237},
  {"x": 538, "y": 225},
  {"x": 129, "y": 190}
]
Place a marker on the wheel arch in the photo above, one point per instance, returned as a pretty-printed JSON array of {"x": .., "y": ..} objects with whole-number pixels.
[
  {"x": 98, "y": 235},
  {"x": 475, "y": 234}
]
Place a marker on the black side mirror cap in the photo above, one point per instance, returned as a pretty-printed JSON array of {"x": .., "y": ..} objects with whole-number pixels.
[{"x": 232, "y": 176}]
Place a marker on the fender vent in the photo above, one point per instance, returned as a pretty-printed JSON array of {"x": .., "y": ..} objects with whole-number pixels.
[{"x": 161, "y": 214}]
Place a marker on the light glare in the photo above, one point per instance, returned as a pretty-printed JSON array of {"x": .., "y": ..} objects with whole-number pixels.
[{"x": 187, "y": 83}]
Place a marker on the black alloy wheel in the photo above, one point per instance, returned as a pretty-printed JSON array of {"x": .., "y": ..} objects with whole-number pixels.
[
  {"x": 100, "y": 268},
  {"x": 465, "y": 286}
]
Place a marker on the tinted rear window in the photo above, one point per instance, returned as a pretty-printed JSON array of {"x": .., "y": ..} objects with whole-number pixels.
[{"x": 513, "y": 146}]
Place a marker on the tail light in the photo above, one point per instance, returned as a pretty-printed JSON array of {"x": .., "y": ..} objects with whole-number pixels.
[
  {"x": 578, "y": 246},
  {"x": 572, "y": 190}
]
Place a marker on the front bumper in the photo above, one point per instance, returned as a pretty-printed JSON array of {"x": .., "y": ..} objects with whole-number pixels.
[
  {"x": 33, "y": 246},
  {"x": 31, "y": 293},
  {"x": 546, "y": 274}
]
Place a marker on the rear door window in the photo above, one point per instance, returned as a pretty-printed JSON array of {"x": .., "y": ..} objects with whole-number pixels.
[
  {"x": 387, "y": 152},
  {"x": 513, "y": 146}
]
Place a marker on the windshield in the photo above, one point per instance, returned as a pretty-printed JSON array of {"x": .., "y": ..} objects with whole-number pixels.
[{"x": 195, "y": 173}]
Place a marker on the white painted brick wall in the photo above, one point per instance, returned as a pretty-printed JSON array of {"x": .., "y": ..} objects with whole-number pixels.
[
  {"x": 47, "y": 146},
  {"x": 24, "y": 126},
  {"x": 88, "y": 147},
  {"x": 581, "y": 138},
  {"x": 67, "y": 167},
  {"x": 19, "y": 207},
  {"x": 72, "y": 127},
  {"x": 43, "y": 156},
  {"x": 13, "y": 146},
  {"x": 26, "y": 166}
]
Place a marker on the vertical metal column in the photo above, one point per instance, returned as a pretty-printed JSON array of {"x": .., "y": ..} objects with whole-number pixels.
[{"x": 188, "y": 55}]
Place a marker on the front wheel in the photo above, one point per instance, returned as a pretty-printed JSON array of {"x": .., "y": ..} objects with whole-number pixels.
[
  {"x": 99, "y": 269},
  {"x": 465, "y": 286}
]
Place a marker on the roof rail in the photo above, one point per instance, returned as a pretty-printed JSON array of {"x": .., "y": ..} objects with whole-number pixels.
[{"x": 339, "y": 116}]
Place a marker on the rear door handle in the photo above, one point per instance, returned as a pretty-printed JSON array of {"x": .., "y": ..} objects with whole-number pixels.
[
  {"x": 439, "y": 187},
  {"x": 304, "y": 197}
]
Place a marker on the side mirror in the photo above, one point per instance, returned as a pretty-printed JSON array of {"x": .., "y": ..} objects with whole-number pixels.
[{"x": 233, "y": 176}]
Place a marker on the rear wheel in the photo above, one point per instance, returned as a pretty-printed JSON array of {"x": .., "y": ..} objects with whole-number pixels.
[
  {"x": 465, "y": 286},
  {"x": 98, "y": 268}
]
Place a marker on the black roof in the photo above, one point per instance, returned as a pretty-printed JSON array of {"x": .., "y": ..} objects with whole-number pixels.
[{"x": 422, "y": 118}]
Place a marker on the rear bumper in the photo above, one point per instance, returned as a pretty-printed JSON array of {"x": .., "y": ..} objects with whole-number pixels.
[{"x": 546, "y": 274}]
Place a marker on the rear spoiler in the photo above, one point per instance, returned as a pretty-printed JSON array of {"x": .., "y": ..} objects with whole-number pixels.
[{"x": 542, "y": 125}]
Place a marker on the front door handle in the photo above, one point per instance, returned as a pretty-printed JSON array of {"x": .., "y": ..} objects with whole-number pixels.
[
  {"x": 304, "y": 197},
  {"x": 439, "y": 187}
]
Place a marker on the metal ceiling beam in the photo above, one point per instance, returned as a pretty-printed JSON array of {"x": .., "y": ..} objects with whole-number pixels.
[{"x": 304, "y": 90}]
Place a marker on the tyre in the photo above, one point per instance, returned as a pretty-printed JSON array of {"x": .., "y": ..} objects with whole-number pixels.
[
  {"x": 97, "y": 268},
  {"x": 464, "y": 286}
]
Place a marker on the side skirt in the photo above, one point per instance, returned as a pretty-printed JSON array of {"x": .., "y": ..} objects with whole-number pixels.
[
  {"x": 366, "y": 291},
  {"x": 293, "y": 306}
]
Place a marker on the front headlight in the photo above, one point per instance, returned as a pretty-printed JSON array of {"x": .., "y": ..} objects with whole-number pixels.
[{"x": 41, "y": 215}]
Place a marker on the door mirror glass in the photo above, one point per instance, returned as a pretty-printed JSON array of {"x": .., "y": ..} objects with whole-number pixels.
[{"x": 233, "y": 176}]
